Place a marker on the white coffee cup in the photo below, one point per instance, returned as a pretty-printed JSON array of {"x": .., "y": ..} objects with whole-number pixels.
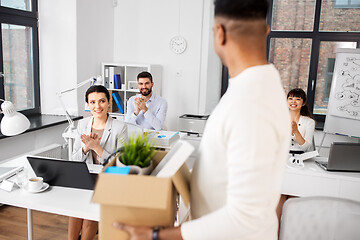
[{"x": 35, "y": 184}]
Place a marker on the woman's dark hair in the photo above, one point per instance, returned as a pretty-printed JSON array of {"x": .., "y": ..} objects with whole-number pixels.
[
  {"x": 99, "y": 89},
  {"x": 299, "y": 93}
]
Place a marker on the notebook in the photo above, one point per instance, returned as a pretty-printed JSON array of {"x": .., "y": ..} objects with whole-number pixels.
[
  {"x": 343, "y": 156},
  {"x": 63, "y": 173}
]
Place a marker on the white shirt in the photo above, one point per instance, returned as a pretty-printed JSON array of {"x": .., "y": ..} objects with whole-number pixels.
[
  {"x": 153, "y": 118},
  {"x": 306, "y": 127},
  {"x": 236, "y": 181}
]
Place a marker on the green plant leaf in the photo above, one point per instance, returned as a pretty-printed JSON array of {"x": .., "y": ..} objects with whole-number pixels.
[{"x": 138, "y": 151}]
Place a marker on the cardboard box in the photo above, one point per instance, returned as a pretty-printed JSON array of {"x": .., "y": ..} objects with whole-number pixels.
[{"x": 138, "y": 199}]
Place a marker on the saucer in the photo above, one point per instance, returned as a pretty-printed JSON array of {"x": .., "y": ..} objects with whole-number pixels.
[{"x": 43, "y": 188}]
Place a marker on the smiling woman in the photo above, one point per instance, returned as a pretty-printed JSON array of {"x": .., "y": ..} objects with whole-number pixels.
[
  {"x": 98, "y": 137},
  {"x": 303, "y": 125}
]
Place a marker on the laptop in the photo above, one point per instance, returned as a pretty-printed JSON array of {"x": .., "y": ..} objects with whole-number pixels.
[
  {"x": 7, "y": 172},
  {"x": 63, "y": 173},
  {"x": 343, "y": 156}
]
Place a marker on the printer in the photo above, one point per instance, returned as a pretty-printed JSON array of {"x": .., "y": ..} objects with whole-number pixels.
[{"x": 192, "y": 124}]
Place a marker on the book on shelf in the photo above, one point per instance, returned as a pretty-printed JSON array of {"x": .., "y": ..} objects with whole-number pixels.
[
  {"x": 119, "y": 102},
  {"x": 111, "y": 105},
  {"x": 117, "y": 81},
  {"x": 111, "y": 78}
]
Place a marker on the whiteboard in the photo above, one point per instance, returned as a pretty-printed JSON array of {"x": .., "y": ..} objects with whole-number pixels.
[{"x": 343, "y": 115}]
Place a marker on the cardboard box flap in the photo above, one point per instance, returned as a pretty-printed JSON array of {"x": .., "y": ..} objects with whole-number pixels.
[
  {"x": 148, "y": 194},
  {"x": 159, "y": 155},
  {"x": 181, "y": 181}
]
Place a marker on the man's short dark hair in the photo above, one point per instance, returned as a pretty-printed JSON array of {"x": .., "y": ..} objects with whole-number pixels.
[
  {"x": 145, "y": 75},
  {"x": 241, "y": 9},
  {"x": 99, "y": 89}
]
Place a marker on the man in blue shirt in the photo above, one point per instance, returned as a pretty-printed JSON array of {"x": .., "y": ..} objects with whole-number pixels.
[{"x": 146, "y": 109}]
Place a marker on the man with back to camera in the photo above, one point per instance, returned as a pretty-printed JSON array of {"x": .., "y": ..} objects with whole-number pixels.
[
  {"x": 236, "y": 180},
  {"x": 146, "y": 109}
]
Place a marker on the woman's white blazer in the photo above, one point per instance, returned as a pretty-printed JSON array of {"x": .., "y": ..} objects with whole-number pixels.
[{"x": 114, "y": 136}]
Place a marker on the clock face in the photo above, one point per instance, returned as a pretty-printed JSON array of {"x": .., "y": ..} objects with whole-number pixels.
[{"x": 178, "y": 44}]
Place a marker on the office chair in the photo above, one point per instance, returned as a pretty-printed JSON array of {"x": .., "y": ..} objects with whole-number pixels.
[
  {"x": 313, "y": 147},
  {"x": 320, "y": 218}
]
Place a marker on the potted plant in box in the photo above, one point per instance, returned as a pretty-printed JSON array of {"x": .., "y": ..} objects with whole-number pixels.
[{"x": 137, "y": 154}]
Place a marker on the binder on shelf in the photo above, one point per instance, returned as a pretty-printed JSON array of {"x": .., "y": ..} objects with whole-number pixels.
[
  {"x": 117, "y": 81},
  {"x": 106, "y": 82},
  {"x": 119, "y": 102},
  {"x": 111, "y": 78}
]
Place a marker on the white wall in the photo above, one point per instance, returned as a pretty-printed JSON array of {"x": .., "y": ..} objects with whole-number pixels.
[
  {"x": 74, "y": 38},
  {"x": 143, "y": 30},
  {"x": 57, "y": 50},
  {"x": 95, "y": 40}
]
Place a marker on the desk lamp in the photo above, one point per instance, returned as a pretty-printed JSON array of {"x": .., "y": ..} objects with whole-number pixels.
[
  {"x": 13, "y": 122},
  {"x": 70, "y": 132}
]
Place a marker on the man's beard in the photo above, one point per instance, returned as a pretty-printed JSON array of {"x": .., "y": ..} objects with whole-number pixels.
[{"x": 146, "y": 92}]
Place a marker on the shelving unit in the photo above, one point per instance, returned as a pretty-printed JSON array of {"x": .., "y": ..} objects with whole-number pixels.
[{"x": 129, "y": 88}]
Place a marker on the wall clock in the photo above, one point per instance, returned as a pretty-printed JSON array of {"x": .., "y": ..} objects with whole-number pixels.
[{"x": 178, "y": 44}]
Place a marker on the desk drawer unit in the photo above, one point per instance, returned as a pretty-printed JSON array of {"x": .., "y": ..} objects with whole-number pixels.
[{"x": 304, "y": 185}]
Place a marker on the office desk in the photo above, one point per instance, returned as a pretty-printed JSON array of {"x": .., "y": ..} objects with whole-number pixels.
[
  {"x": 312, "y": 180},
  {"x": 58, "y": 200}
]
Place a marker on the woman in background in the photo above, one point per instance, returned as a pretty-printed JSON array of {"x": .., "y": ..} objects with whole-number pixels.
[
  {"x": 302, "y": 122},
  {"x": 99, "y": 136},
  {"x": 303, "y": 127}
]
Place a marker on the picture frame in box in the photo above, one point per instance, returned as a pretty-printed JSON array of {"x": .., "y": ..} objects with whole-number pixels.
[
  {"x": 139, "y": 199},
  {"x": 175, "y": 158}
]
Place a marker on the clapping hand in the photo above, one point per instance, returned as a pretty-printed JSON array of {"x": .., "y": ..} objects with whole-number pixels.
[
  {"x": 91, "y": 141},
  {"x": 294, "y": 127},
  {"x": 137, "y": 106},
  {"x": 140, "y": 105}
]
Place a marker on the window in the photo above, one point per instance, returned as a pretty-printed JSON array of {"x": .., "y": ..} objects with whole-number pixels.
[
  {"x": 19, "y": 56},
  {"x": 328, "y": 78},
  {"x": 17, "y": 4},
  {"x": 347, "y": 4},
  {"x": 302, "y": 44}
]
